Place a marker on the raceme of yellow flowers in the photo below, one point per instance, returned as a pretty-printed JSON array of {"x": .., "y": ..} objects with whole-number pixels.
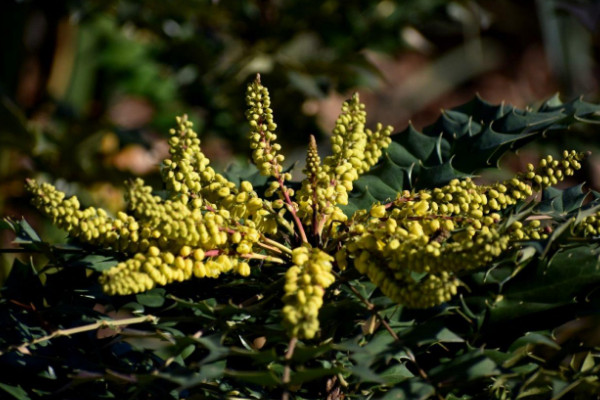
[{"x": 413, "y": 247}]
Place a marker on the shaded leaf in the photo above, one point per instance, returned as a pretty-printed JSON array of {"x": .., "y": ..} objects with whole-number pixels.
[
  {"x": 263, "y": 378},
  {"x": 470, "y": 366},
  {"x": 304, "y": 375},
  {"x": 152, "y": 298},
  {"x": 16, "y": 392}
]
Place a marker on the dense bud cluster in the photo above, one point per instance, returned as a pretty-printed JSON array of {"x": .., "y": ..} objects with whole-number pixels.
[
  {"x": 145, "y": 270},
  {"x": 305, "y": 284},
  {"x": 551, "y": 171},
  {"x": 265, "y": 152},
  {"x": 163, "y": 239},
  {"x": 204, "y": 212},
  {"x": 91, "y": 225},
  {"x": 355, "y": 150},
  {"x": 414, "y": 247},
  {"x": 590, "y": 226}
]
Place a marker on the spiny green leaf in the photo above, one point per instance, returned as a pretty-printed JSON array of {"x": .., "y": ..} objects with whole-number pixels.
[
  {"x": 366, "y": 374},
  {"x": 304, "y": 353},
  {"x": 562, "y": 278},
  {"x": 560, "y": 202},
  {"x": 430, "y": 332},
  {"x": 25, "y": 233},
  {"x": 536, "y": 339},
  {"x": 16, "y": 392},
  {"x": 483, "y": 112},
  {"x": 460, "y": 142},
  {"x": 483, "y": 149},
  {"x": 436, "y": 175},
  {"x": 213, "y": 345},
  {"x": 237, "y": 173},
  {"x": 259, "y": 357}
]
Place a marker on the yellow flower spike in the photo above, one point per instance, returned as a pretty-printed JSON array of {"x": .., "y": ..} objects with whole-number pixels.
[
  {"x": 306, "y": 280},
  {"x": 311, "y": 197},
  {"x": 262, "y": 130}
]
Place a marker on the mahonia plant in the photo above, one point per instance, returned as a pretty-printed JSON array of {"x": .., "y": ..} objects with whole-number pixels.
[{"x": 414, "y": 247}]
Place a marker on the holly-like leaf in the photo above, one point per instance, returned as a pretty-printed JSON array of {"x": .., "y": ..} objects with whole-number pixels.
[
  {"x": 462, "y": 141},
  {"x": 561, "y": 202},
  {"x": 15, "y": 392},
  {"x": 562, "y": 278}
]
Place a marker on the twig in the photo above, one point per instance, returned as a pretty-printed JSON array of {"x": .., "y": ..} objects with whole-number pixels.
[
  {"x": 212, "y": 253},
  {"x": 277, "y": 244},
  {"x": 104, "y": 323},
  {"x": 271, "y": 248},
  {"x": 287, "y": 369},
  {"x": 254, "y": 256},
  {"x": 292, "y": 209},
  {"x": 371, "y": 307}
]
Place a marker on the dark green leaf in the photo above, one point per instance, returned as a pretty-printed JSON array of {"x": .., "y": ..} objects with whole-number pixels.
[
  {"x": 25, "y": 233},
  {"x": 411, "y": 389},
  {"x": 263, "y": 378},
  {"x": 395, "y": 374},
  {"x": 16, "y": 392},
  {"x": 470, "y": 366},
  {"x": 98, "y": 263},
  {"x": 152, "y": 298},
  {"x": 303, "y": 353},
  {"x": 535, "y": 339},
  {"x": 304, "y": 375},
  {"x": 561, "y": 279},
  {"x": 23, "y": 284}
]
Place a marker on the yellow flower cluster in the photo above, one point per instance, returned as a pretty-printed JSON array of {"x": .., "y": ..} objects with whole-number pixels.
[
  {"x": 189, "y": 178},
  {"x": 305, "y": 284},
  {"x": 265, "y": 152},
  {"x": 204, "y": 212},
  {"x": 354, "y": 151},
  {"x": 589, "y": 226},
  {"x": 91, "y": 225},
  {"x": 164, "y": 228},
  {"x": 145, "y": 270},
  {"x": 551, "y": 171},
  {"x": 414, "y": 247}
]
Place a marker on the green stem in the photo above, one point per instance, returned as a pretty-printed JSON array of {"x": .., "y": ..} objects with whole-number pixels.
[
  {"x": 105, "y": 323},
  {"x": 254, "y": 256},
  {"x": 277, "y": 244}
]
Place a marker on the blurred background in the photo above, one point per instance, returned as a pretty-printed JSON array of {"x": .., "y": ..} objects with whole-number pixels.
[{"x": 89, "y": 88}]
